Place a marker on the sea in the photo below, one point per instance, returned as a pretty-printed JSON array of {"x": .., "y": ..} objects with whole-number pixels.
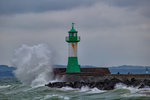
[
  {"x": 34, "y": 67},
  {"x": 12, "y": 89}
]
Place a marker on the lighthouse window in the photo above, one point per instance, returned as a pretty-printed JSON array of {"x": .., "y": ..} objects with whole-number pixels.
[
  {"x": 75, "y": 34},
  {"x": 72, "y": 34}
]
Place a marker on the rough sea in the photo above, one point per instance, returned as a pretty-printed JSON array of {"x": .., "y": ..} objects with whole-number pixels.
[
  {"x": 12, "y": 89},
  {"x": 34, "y": 70}
]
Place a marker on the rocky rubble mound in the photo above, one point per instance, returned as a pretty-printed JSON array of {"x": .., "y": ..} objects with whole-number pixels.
[{"x": 102, "y": 85}]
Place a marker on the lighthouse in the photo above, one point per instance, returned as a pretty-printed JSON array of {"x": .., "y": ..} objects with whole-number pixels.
[{"x": 72, "y": 40}]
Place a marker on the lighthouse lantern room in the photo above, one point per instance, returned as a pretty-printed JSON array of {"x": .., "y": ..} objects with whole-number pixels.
[{"x": 72, "y": 40}]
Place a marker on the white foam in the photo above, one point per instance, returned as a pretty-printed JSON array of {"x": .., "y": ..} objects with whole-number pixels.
[
  {"x": 96, "y": 90},
  {"x": 134, "y": 91},
  {"x": 67, "y": 88},
  {"x": 123, "y": 86},
  {"x": 90, "y": 90},
  {"x": 33, "y": 64},
  {"x": 84, "y": 89},
  {"x": 57, "y": 79},
  {"x": 55, "y": 95},
  {"x": 120, "y": 85},
  {"x": 4, "y": 86}
]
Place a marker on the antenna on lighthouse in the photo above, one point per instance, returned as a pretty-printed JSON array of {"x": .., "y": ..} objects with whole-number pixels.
[{"x": 73, "y": 25}]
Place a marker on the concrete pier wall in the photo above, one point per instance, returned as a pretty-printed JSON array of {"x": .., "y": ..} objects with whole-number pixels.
[
  {"x": 95, "y": 75},
  {"x": 96, "y": 78}
]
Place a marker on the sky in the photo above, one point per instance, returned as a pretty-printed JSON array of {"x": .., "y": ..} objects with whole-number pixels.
[{"x": 113, "y": 32}]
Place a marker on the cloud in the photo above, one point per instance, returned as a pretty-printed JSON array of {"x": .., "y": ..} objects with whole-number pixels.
[
  {"x": 110, "y": 35},
  {"x": 37, "y": 6},
  {"x": 143, "y": 6},
  {"x": 8, "y": 7}
]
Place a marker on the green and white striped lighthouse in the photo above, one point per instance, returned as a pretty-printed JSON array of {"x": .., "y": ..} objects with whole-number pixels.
[{"x": 72, "y": 40}]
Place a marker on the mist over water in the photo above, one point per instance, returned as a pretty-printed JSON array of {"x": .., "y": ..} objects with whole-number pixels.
[{"x": 33, "y": 64}]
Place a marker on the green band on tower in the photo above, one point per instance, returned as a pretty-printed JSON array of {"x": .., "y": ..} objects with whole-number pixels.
[
  {"x": 73, "y": 65},
  {"x": 72, "y": 40}
]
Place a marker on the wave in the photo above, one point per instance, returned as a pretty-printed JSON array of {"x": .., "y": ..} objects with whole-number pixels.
[
  {"x": 83, "y": 89},
  {"x": 132, "y": 91},
  {"x": 4, "y": 86},
  {"x": 66, "y": 93},
  {"x": 55, "y": 96},
  {"x": 91, "y": 90},
  {"x": 33, "y": 64}
]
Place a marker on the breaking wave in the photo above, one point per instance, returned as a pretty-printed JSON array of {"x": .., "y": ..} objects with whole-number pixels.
[
  {"x": 33, "y": 64},
  {"x": 16, "y": 91},
  {"x": 132, "y": 91}
]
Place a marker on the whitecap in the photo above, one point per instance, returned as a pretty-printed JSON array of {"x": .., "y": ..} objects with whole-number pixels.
[
  {"x": 134, "y": 91},
  {"x": 4, "y": 86},
  {"x": 96, "y": 90},
  {"x": 84, "y": 89},
  {"x": 57, "y": 96},
  {"x": 90, "y": 90},
  {"x": 66, "y": 88}
]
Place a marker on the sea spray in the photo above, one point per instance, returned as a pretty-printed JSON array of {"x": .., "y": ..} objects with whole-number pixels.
[{"x": 33, "y": 64}]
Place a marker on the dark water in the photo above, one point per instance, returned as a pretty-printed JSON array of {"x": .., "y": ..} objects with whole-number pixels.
[{"x": 11, "y": 89}]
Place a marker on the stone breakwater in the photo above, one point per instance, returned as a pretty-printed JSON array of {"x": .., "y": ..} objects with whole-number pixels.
[
  {"x": 100, "y": 78},
  {"x": 107, "y": 84}
]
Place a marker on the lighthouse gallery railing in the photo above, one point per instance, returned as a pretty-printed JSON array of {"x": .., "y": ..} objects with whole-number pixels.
[{"x": 73, "y": 38}]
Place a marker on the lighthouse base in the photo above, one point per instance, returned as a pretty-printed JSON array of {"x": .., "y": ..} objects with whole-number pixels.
[{"x": 73, "y": 65}]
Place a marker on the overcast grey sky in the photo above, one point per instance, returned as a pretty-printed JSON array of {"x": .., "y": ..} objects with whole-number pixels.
[{"x": 113, "y": 32}]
